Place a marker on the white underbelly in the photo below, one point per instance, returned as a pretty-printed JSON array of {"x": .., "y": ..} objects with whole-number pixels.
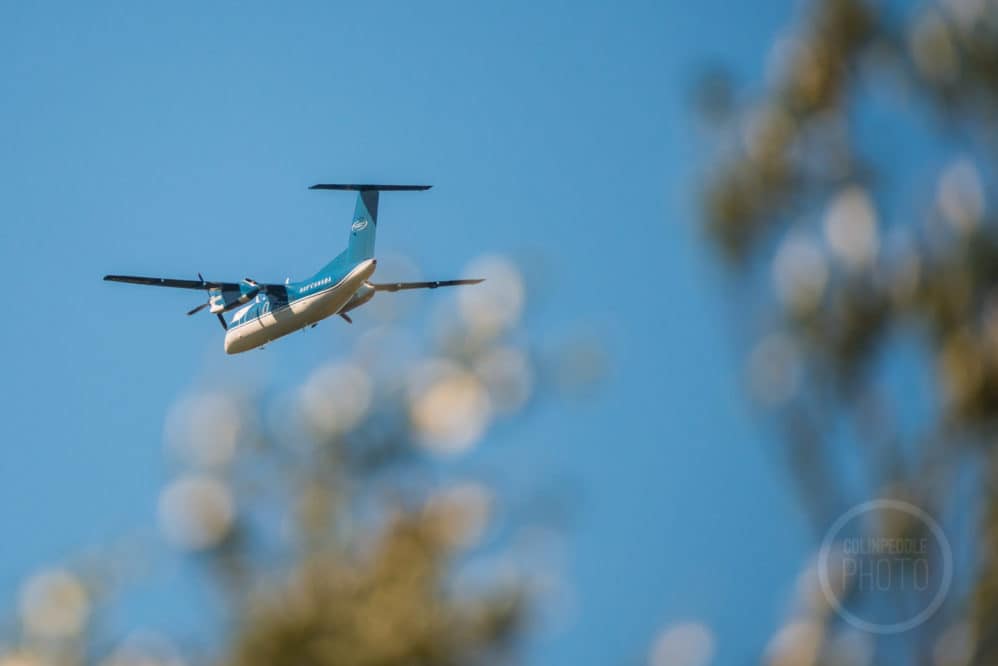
[{"x": 297, "y": 315}]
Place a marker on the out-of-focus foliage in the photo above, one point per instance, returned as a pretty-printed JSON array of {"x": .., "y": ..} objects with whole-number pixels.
[
  {"x": 850, "y": 256},
  {"x": 327, "y": 515},
  {"x": 382, "y": 606}
]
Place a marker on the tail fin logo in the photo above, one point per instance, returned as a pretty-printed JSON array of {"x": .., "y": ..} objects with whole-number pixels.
[{"x": 359, "y": 225}]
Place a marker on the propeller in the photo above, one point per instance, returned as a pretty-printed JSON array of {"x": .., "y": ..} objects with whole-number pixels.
[
  {"x": 256, "y": 287},
  {"x": 203, "y": 305}
]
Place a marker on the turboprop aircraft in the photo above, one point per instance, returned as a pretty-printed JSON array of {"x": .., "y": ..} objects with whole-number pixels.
[{"x": 265, "y": 312}]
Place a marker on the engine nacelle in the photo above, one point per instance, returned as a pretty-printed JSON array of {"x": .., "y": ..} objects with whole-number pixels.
[
  {"x": 363, "y": 294},
  {"x": 223, "y": 300}
]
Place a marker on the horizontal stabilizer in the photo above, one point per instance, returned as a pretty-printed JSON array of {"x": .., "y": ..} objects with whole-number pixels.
[
  {"x": 398, "y": 286},
  {"x": 372, "y": 188}
]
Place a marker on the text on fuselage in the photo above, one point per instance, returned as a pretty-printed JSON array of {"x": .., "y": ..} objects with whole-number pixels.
[{"x": 318, "y": 283}]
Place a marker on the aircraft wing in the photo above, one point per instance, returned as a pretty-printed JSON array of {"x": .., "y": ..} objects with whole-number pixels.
[
  {"x": 398, "y": 286},
  {"x": 167, "y": 282}
]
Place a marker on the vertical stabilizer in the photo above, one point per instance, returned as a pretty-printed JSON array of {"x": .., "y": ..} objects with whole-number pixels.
[
  {"x": 365, "y": 216},
  {"x": 364, "y": 226}
]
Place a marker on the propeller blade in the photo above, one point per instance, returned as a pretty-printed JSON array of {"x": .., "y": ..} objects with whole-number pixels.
[
  {"x": 197, "y": 309},
  {"x": 221, "y": 320}
]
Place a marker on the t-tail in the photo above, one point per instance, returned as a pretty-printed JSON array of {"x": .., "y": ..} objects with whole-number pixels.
[{"x": 365, "y": 216}]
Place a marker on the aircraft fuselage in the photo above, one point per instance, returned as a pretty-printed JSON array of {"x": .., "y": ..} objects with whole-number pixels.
[{"x": 270, "y": 316}]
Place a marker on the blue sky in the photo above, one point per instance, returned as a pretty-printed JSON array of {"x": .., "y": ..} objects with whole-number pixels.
[{"x": 169, "y": 140}]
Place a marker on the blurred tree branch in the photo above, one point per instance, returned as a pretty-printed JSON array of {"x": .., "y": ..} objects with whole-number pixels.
[{"x": 862, "y": 261}]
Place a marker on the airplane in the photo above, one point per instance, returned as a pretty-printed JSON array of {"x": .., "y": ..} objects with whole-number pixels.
[{"x": 270, "y": 311}]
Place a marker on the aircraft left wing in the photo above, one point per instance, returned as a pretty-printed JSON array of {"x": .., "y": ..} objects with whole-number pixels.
[
  {"x": 398, "y": 286},
  {"x": 167, "y": 282},
  {"x": 222, "y": 296}
]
